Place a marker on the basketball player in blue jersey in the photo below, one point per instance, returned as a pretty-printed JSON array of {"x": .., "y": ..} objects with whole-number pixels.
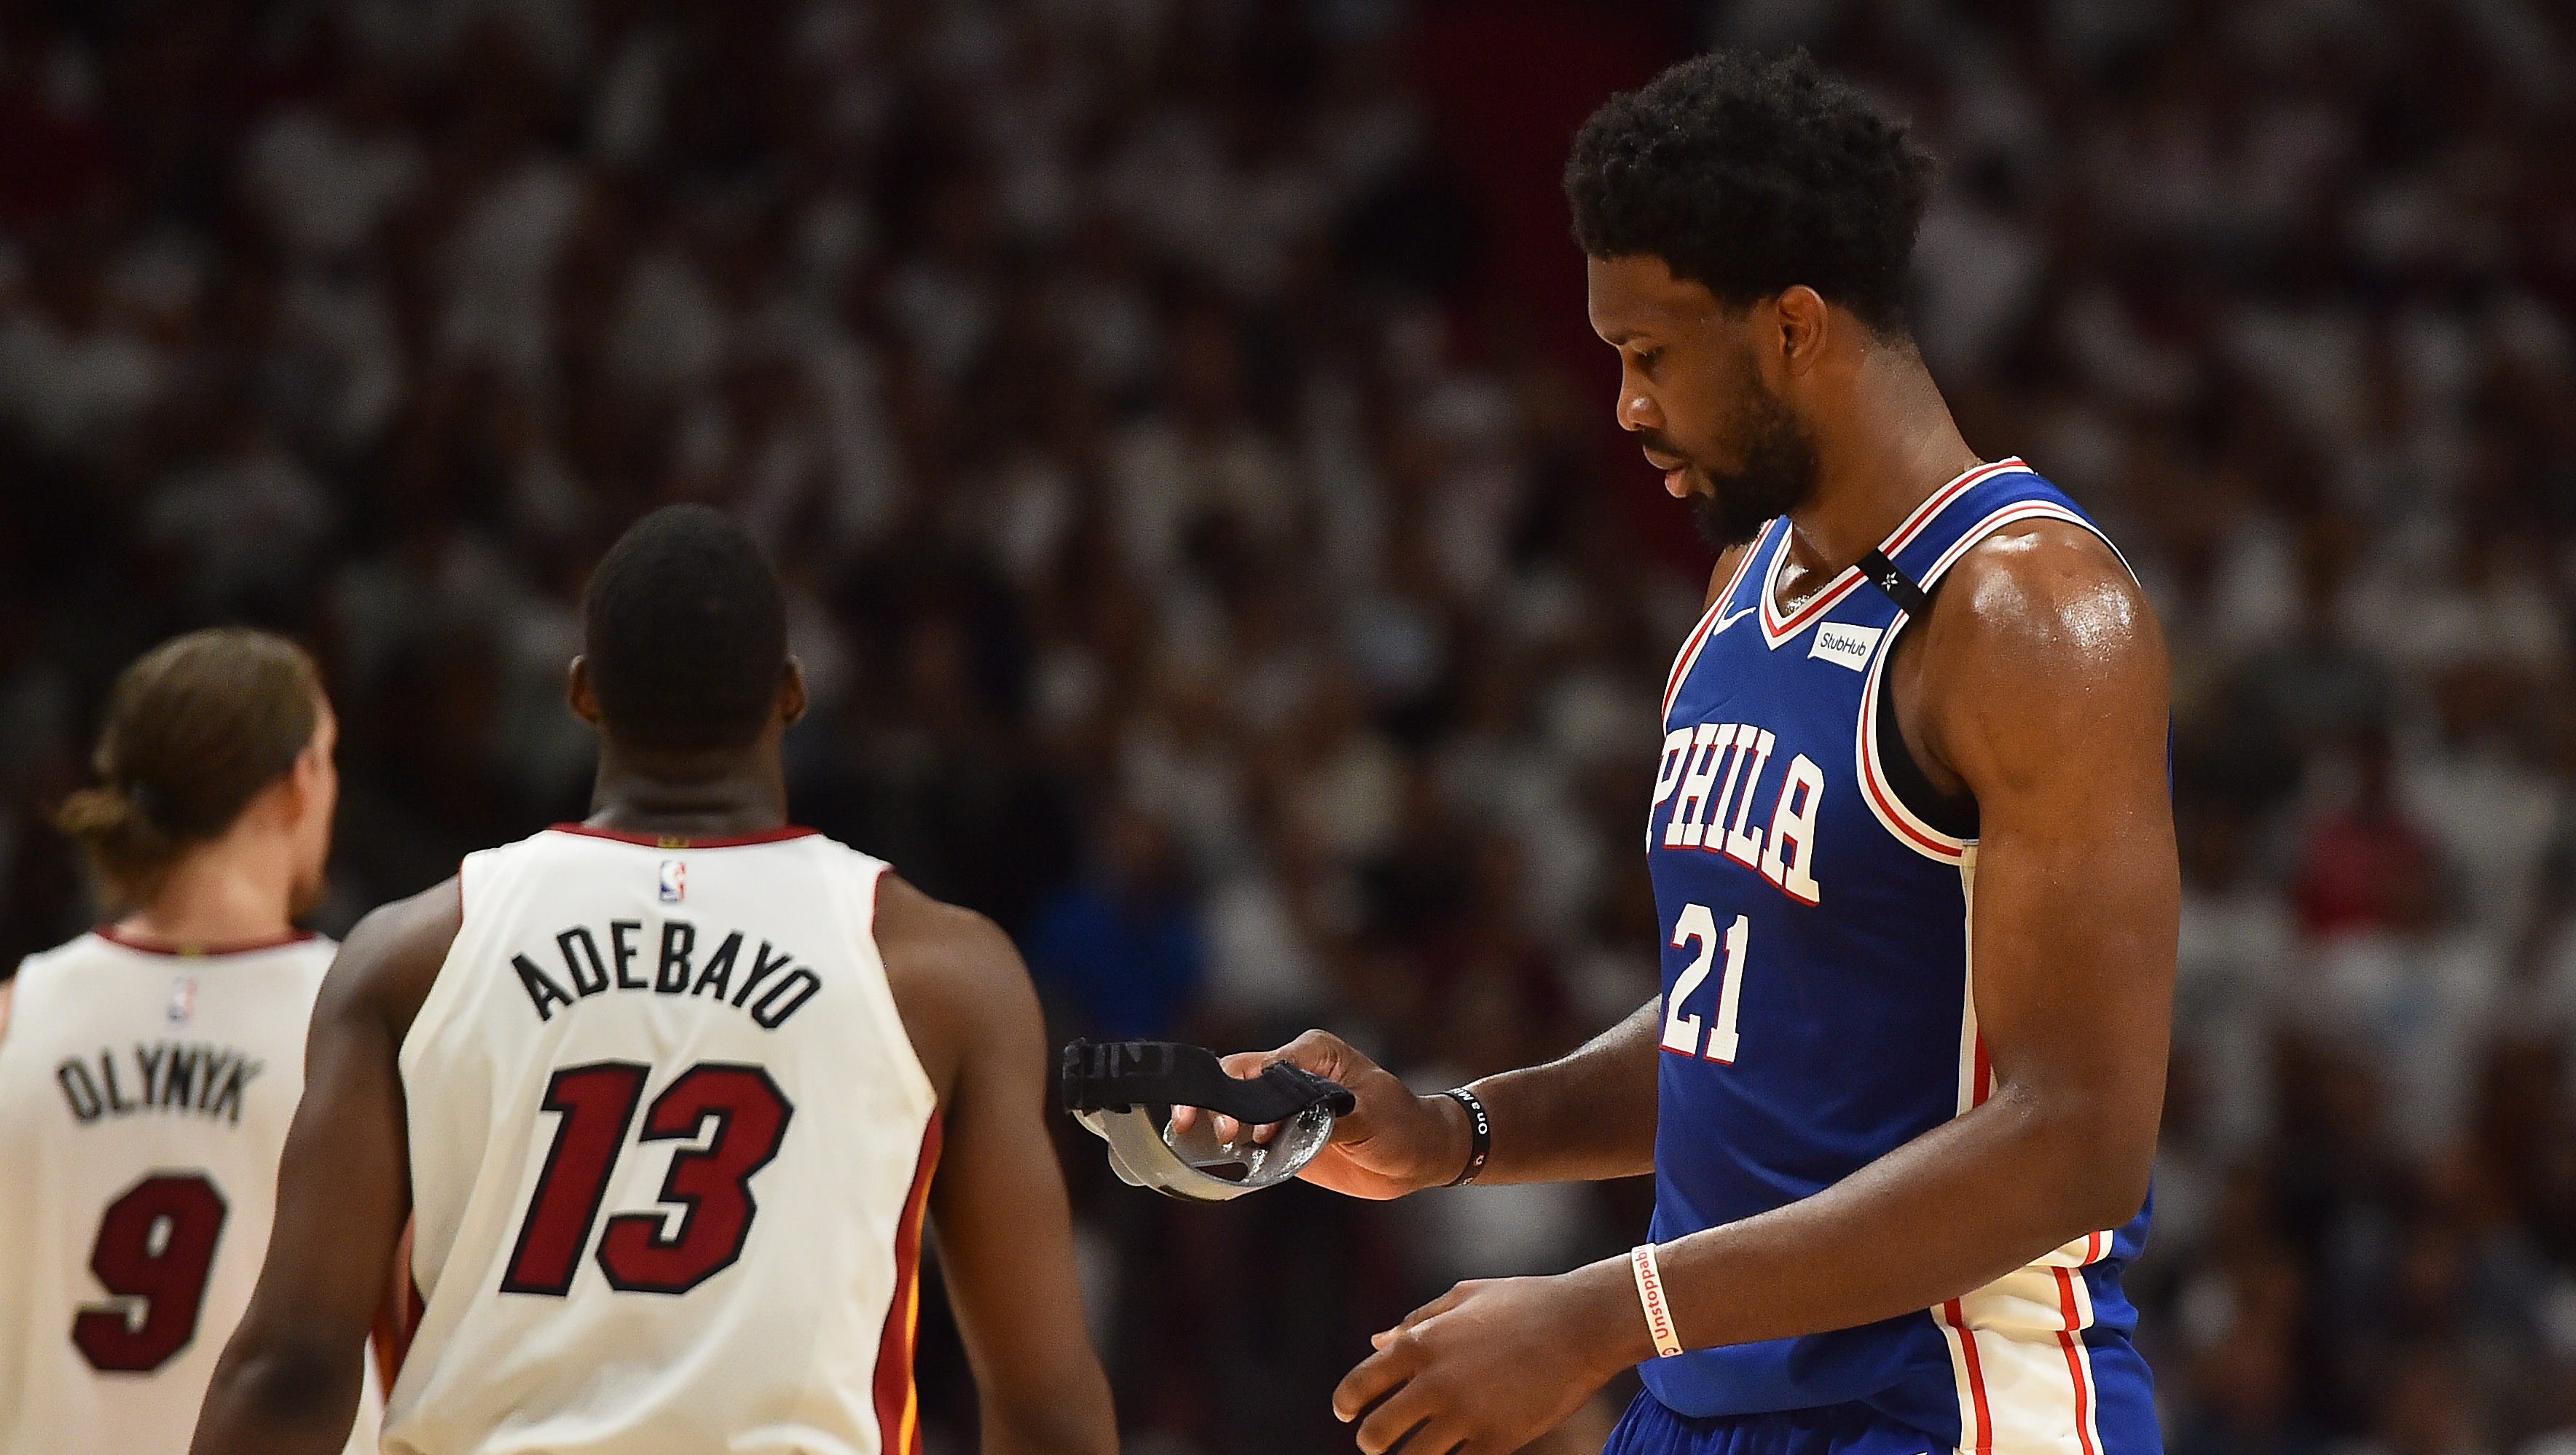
[{"x": 1913, "y": 854}]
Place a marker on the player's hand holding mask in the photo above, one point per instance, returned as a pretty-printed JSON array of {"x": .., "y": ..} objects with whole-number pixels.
[
  {"x": 1113, "y": 1089},
  {"x": 1390, "y": 1143}
]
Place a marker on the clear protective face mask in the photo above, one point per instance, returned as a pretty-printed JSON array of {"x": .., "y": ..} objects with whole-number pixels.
[{"x": 1123, "y": 1092}]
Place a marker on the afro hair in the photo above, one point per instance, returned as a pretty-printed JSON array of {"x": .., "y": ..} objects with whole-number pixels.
[{"x": 1750, "y": 177}]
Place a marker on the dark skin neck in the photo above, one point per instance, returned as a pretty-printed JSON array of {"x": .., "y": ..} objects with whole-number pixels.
[
  {"x": 708, "y": 794},
  {"x": 701, "y": 793},
  {"x": 1885, "y": 442}
]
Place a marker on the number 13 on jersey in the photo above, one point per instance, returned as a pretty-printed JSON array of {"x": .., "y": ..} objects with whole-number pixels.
[
  {"x": 595, "y": 1106},
  {"x": 1681, "y": 1024}
]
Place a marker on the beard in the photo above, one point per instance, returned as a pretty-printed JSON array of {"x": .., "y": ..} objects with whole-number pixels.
[{"x": 1778, "y": 475}]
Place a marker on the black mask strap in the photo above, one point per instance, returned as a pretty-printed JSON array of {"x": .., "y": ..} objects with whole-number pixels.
[
  {"x": 1121, "y": 1075},
  {"x": 1898, "y": 586}
]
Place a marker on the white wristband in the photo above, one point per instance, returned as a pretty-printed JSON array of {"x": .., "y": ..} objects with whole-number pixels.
[{"x": 1650, "y": 1292}]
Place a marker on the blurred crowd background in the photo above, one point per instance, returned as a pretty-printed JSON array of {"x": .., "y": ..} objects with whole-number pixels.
[{"x": 1212, "y": 557}]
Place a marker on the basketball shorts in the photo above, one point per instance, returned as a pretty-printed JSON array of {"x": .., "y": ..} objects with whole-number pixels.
[{"x": 1649, "y": 1428}]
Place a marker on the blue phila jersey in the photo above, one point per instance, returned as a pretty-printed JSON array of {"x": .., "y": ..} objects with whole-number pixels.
[{"x": 1819, "y": 1003}]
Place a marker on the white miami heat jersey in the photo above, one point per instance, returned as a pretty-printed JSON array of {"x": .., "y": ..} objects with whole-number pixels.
[
  {"x": 144, "y": 1099},
  {"x": 670, "y": 1147}
]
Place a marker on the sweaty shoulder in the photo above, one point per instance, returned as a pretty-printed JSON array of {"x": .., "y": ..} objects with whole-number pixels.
[
  {"x": 2040, "y": 635},
  {"x": 955, "y": 975},
  {"x": 389, "y": 961},
  {"x": 2050, "y": 587}
]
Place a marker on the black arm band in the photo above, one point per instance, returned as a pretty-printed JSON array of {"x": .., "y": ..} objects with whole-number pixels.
[{"x": 1480, "y": 1135}]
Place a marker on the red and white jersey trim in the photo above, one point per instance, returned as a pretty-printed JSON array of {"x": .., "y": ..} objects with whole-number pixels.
[
  {"x": 2015, "y": 514},
  {"x": 1884, "y": 802},
  {"x": 2017, "y": 1352},
  {"x": 1778, "y": 631},
  {"x": 1881, "y": 796},
  {"x": 1688, "y": 656},
  {"x": 777, "y": 835},
  {"x": 123, "y": 941}
]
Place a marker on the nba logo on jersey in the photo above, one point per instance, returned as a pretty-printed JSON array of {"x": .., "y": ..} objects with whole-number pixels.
[
  {"x": 183, "y": 997},
  {"x": 675, "y": 880}
]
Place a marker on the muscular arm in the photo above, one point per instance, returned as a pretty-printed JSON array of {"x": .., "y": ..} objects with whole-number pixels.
[
  {"x": 288, "y": 1381},
  {"x": 1005, "y": 1231},
  {"x": 1580, "y": 1118}
]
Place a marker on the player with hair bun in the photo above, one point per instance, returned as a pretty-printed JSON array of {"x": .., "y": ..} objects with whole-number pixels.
[{"x": 148, "y": 1069}]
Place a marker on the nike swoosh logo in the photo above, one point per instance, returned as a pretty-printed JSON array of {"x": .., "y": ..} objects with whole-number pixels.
[{"x": 1730, "y": 619}]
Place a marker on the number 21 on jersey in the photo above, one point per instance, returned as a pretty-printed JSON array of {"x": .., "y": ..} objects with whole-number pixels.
[{"x": 1681, "y": 1024}]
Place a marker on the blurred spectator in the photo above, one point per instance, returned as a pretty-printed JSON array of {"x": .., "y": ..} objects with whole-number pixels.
[
  {"x": 2364, "y": 865},
  {"x": 1121, "y": 948}
]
